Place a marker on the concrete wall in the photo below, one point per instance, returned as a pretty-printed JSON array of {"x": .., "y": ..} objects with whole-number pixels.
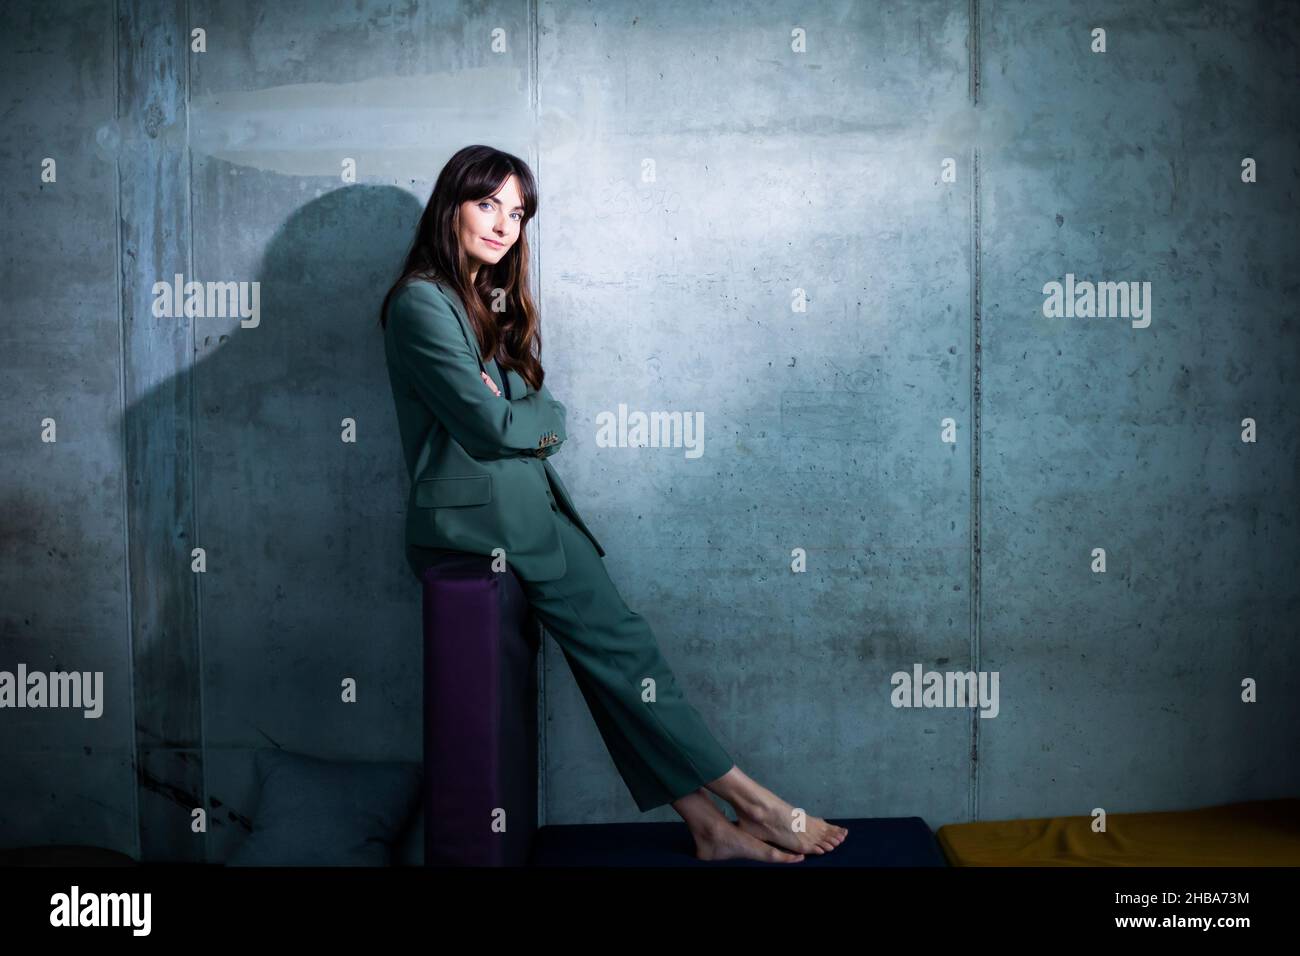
[{"x": 912, "y": 181}]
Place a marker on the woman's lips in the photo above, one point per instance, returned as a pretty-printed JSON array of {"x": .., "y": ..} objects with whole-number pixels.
[{"x": 492, "y": 242}]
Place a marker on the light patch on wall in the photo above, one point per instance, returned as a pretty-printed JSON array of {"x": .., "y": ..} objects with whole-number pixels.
[
  {"x": 984, "y": 126},
  {"x": 392, "y": 125}
]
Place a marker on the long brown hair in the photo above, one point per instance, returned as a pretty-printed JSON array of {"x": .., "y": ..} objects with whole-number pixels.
[{"x": 513, "y": 336}]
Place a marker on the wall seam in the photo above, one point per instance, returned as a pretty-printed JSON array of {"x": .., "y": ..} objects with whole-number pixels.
[
  {"x": 126, "y": 460},
  {"x": 191, "y": 369},
  {"x": 977, "y": 370}
]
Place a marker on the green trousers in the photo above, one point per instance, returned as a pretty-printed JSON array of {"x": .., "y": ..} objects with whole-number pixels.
[{"x": 659, "y": 743}]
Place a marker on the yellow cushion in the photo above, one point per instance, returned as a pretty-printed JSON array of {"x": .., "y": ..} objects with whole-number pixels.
[{"x": 1254, "y": 833}]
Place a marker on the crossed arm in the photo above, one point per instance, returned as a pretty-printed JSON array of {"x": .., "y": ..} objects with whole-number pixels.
[
  {"x": 433, "y": 352},
  {"x": 551, "y": 443}
]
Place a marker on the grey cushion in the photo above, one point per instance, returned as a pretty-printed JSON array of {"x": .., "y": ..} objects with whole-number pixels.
[{"x": 315, "y": 812}]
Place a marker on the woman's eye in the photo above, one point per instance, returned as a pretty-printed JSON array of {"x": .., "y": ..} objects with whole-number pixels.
[{"x": 486, "y": 205}]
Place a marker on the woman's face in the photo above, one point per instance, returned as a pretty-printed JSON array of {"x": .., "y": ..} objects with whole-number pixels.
[{"x": 490, "y": 226}]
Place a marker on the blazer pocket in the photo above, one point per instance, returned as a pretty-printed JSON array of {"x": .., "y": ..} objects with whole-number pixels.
[{"x": 453, "y": 492}]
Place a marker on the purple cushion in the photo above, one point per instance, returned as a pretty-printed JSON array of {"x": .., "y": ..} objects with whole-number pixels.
[{"x": 480, "y": 714}]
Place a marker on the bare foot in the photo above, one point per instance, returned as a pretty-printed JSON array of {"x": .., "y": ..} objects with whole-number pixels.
[
  {"x": 717, "y": 838},
  {"x": 776, "y": 824},
  {"x": 765, "y": 816},
  {"x": 727, "y": 841}
]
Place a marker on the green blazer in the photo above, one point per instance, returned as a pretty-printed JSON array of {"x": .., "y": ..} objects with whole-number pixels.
[{"x": 477, "y": 461}]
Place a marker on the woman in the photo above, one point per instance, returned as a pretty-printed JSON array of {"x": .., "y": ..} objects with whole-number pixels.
[{"x": 476, "y": 438}]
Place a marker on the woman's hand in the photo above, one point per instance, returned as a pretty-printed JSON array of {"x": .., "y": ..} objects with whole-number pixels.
[{"x": 490, "y": 384}]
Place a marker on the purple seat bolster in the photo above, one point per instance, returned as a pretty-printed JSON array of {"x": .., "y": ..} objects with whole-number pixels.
[{"x": 480, "y": 715}]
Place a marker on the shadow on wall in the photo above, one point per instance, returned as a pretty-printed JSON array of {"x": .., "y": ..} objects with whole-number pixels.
[{"x": 306, "y": 583}]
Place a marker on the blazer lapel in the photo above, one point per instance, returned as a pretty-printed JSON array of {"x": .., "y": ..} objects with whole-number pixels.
[
  {"x": 459, "y": 308},
  {"x": 518, "y": 387}
]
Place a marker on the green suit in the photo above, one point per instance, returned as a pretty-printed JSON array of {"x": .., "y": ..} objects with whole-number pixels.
[
  {"x": 480, "y": 481},
  {"x": 479, "y": 475}
]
